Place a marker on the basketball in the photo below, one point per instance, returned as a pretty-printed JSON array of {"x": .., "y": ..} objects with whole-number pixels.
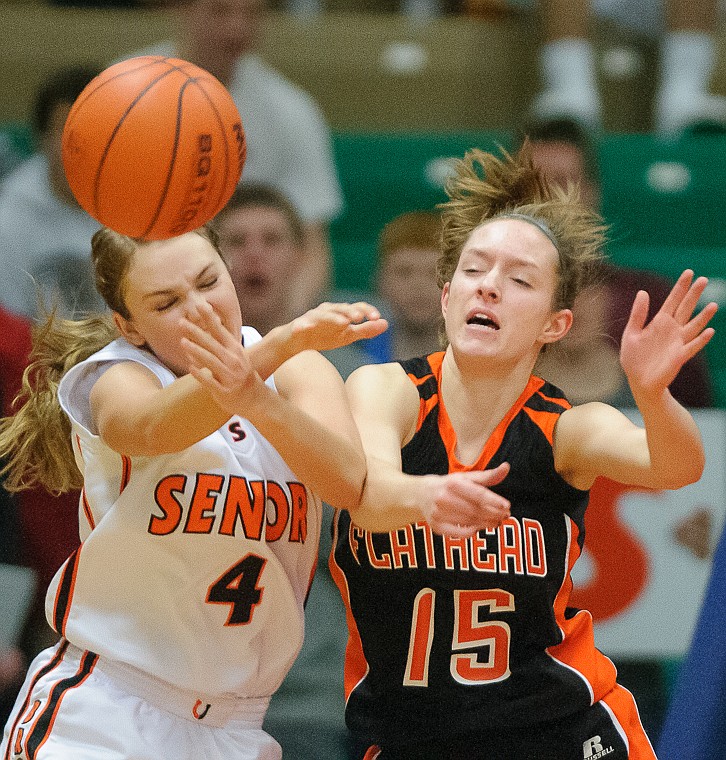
[{"x": 153, "y": 147}]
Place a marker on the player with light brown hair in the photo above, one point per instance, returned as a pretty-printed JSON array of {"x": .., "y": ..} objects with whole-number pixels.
[{"x": 466, "y": 646}]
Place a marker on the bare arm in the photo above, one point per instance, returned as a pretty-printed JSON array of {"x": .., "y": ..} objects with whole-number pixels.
[
  {"x": 667, "y": 452},
  {"x": 385, "y": 407},
  {"x": 136, "y": 416}
]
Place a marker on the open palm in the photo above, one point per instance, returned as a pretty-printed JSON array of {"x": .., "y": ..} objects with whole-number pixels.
[{"x": 652, "y": 354}]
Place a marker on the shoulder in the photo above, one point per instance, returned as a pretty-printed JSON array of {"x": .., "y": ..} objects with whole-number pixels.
[
  {"x": 384, "y": 400},
  {"x": 79, "y": 380},
  {"x": 388, "y": 385},
  {"x": 579, "y": 421}
]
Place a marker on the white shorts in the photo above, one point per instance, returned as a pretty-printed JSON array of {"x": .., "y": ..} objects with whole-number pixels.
[{"x": 75, "y": 706}]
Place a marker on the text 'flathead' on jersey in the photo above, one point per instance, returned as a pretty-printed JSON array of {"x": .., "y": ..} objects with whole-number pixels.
[
  {"x": 231, "y": 505},
  {"x": 516, "y": 546}
]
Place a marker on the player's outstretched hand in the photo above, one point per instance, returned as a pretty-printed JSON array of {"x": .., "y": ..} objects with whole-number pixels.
[
  {"x": 652, "y": 355},
  {"x": 461, "y": 503},
  {"x": 218, "y": 360},
  {"x": 332, "y": 325}
]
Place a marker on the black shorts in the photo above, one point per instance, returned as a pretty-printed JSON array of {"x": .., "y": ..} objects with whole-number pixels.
[{"x": 609, "y": 730}]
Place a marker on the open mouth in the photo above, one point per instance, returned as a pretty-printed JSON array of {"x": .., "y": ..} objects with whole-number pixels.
[{"x": 483, "y": 320}]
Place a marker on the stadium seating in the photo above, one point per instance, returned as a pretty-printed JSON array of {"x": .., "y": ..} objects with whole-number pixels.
[
  {"x": 384, "y": 175},
  {"x": 665, "y": 201}
]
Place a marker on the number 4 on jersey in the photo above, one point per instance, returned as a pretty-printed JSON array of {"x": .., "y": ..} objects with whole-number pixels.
[{"x": 238, "y": 588}]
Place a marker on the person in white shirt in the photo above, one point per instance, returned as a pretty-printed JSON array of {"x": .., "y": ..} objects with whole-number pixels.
[
  {"x": 289, "y": 146},
  {"x": 44, "y": 234},
  {"x": 204, "y": 453}
]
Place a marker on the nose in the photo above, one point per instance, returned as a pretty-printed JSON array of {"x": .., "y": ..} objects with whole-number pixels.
[
  {"x": 489, "y": 287},
  {"x": 195, "y": 303}
]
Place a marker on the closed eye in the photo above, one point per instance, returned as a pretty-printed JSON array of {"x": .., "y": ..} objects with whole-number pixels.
[
  {"x": 208, "y": 283},
  {"x": 166, "y": 305}
]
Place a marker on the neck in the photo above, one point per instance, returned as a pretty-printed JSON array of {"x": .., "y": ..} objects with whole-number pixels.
[{"x": 477, "y": 397}]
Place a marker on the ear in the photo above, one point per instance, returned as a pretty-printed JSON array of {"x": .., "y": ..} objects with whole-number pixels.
[
  {"x": 127, "y": 330},
  {"x": 445, "y": 298},
  {"x": 557, "y": 326}
]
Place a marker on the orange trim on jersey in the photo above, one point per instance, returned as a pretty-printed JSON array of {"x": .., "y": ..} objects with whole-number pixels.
[
  {"x": 21, "y": 717},
  {"x": 87, "y": 509},
  {"x": 426, "y": 405},
  {"x": 356, "y": 665},
  {"x": 125, "y": 472},
  {"x": 372, "y": 753},
  {"x": 563, "y": 402},
  {"x": 621, "y": 705},
  {"x": 64, "y": 592},
  {"x": 448, "y": 436},
  {"x": 545, "y": 421},
  {"x": 577, "y": 649}
]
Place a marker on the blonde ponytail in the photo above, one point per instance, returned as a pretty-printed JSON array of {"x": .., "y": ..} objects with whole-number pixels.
[{"x": 35, "y": 443}]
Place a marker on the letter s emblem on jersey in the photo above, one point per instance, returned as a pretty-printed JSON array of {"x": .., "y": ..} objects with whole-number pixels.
[{"x": 238, "y": 434}]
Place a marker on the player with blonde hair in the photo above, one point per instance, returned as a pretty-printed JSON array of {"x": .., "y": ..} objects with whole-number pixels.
[
  {"x": 467, "y": 647},
  {"x": 182, "y": 609}
]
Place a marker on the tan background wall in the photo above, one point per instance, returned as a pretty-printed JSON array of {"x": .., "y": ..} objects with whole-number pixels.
[{"x": 467, "y": 73}]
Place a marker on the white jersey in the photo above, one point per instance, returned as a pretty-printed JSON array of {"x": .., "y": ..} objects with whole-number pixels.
[{"x": 193, "y": 566}]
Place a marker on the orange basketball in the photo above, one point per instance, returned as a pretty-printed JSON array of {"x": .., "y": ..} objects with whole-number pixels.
[{"x": 153, "y": 147}]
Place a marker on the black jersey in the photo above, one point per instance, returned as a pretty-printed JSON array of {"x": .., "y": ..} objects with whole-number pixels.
[{"x": 449, "y": 636}]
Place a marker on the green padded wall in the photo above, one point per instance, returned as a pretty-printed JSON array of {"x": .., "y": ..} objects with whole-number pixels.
[
  {"x": 383, "y": 175},
  {"x": 664, "y": 192}
]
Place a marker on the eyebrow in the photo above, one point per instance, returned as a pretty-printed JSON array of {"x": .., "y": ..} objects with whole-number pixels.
[
  {"x": 170, "y": 291},
  {"x": 516, "y": 261}
]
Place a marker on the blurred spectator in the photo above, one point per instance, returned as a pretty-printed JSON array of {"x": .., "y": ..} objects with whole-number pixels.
[
  {"x": 261, "y": 237},
  {"x": 408, "y": 249},
  {"x": 110, "y": 3},
  {"x": 45, "y": 237},
  {"x": 587, "y": 361},
  {"x": 695, "y": 725},
  {"x": 687, "y": 38},
  {"x": 289, "y": 145},
  {"x": 14, "y": 348}
]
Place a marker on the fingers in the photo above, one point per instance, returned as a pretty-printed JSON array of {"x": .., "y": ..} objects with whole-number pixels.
[
  {"x": 639, "y": 312},
  {"x": 690, "y": 300},
  {"x": 491, "y": 477},
  {"x": 678, "y": 293},
  {"x": 694, "y": 346},
  {"x": 349, "y": 312},
  {"x": 205, "y": 330},
  {"x": 693, "y": 328},
  {"x": 463, "y": 504},
  {"x": 368, "y": 329}
]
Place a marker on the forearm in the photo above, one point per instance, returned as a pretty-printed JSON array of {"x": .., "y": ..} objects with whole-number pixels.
[
  {"x": 184, "y": 412},
  {"x": 273, "y": 350},
  {"x": 675, "y": 447},
  {"x": 170, "y": 420},
  {"x": 330, "y": 464},
  {"x": 390, "y": 500}
]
